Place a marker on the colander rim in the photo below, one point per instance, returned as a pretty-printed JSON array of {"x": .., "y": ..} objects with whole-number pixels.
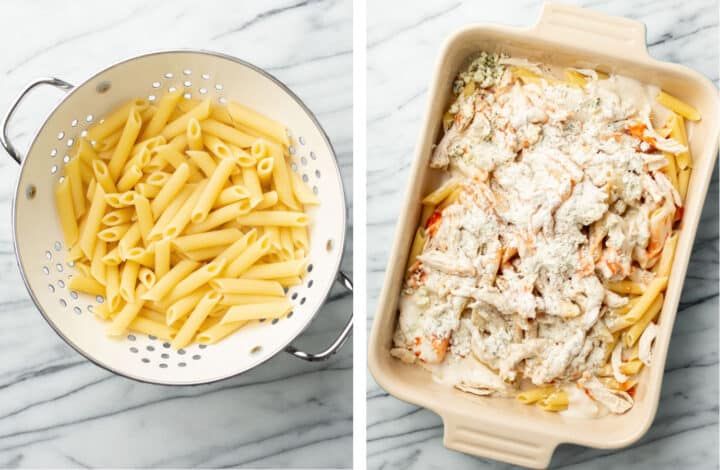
[{"x": 336, "y": 166}]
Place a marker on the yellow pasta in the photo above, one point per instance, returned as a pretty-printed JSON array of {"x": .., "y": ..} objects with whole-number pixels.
[
  {"x": 203, "y": 160},
  {"x": 633, "y": 333},
  {"x": 281, "y": 177},
  {"x": 198, "y": 315},
  {"x": 124, "y": 146},
  {"x": 254, "y": 120},
  {"x": 678, "y": 106},
  {"x": 179, "y": 125},
  {"x": 227, "y": 133},
  {"x": 626, "y": 287},
  {"x": 437, "y": 196},
  {"x": 683, "y": 181},
  {"x": 534, "y": 394},
  {"x": 66, "y": 211},
  {"x": 163, "y": 229},
  {"x": 248, "y": 287},
  {"x": 417, "y": 246},
  {"x": 212, "y": 190},
  {"x": 267, "y": 310}
]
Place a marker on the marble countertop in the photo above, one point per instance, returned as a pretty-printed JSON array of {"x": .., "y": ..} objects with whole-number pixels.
[
  {"x": 403, "y": 45},
  {"x": 59, "y": 410}
]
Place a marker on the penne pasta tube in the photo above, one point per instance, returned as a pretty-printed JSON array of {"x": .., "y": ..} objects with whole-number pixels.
[
  {"x": 534, "y": 394},
  {"x": 667, "y": 256},
  {"x": 646, "y": 299},
  {"x": 248, "y": 287},
  {"x": 278, "y": 270},
  {"x": 218, "y": 332},
  {"x": 181, "y": 219},
  {"x": 128, "y": 280},
  {"x": 162, "y": 258},
  {"x": 203, "y": 160},
  {"x": 120, "y": 200},
  {"x": 416, "y": 248},
  {"x": 97, "y": 267},
  {"x": 168, "y": 281},
  {"x": 252, "y": 253},
  {"x": 635, "y": 331},
  {"x": 118, "y": 216},
  {"x": 181, "y": 307},
  {"x": 207, "y": 239},
  {"x": 289, "y": 281},
  {"x": 112, "y": 258},
  {"x": 126, "y": 316},
  {"x": 146, "y": 326},
  {"x": 258, "y": 122},
  {"x": 277, "y": 218},
  {"x": 173, "y": 186},
  {"x": 300, "y": 238},
  {"x": 437, "y": 196},
  {"x": 156, "y": 233},
  {"x": 678, "y": 106},
  {"x": 102, "y": 176},
  {"x": 146, "y": 276},
  {"x": 147, "y": 190},
  {"x": 66, "y": 212},
  {"x": 124, "y": 146},
  {"x": 269, "y": 199},
  {"x": 86, "y": 284},
  {"x": 556, "y": 401},
  {"x": 260, "y": 149},
  {"x": 130, "y": 178},
  {"x": 166, "y": 105},
  {"x": 683, "y": 181},
  {"x": 196, "y": 279},
  {"x": 112, "y": 287},
  {"x": 252, "y": 183},
  {"x": 264, "y": 171},
  {"x": 626, "y": 287},
  {"x": 179, "y": 125},
  {"x": 130, "y": 239},
  {"x": 85, "y": 152},
  {"x": 231, "y": 194},
  {"x": 303, "y": 194},
  {"x": 679, "y": 133},
  {"x": 218, "y": 217},
  {"x": 115, "y": 120},
  {"x": 194, "y": 135},
  {"x": 92, "y": 225},
  {"x": 158, "y": 178},
  {"x": 72, "y": 174},
  {"x": 142, "y": 256},
  {"x": 144, "y": 216},
  {"x": 226, "y": 133},
  {"x": 196, "y": 318},
  {"x": 244, "y": 159},
  {"x": 204, "y": 254},
  {"x": 281, "y": 177},
  {"x": 243, "y": 299},
  {"x": 212, "y": 190},
  {"x": 267, "y": 310}
]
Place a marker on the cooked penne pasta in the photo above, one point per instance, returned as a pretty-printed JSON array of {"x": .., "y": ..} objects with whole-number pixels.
[
  {"x": 267, "y": 310},
  {"x": 258, "y": 122}
]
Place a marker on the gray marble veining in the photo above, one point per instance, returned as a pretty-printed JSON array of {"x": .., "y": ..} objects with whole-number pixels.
[
  {"x": 404, "y": 40},
  {"x": 59, "y": 410}
]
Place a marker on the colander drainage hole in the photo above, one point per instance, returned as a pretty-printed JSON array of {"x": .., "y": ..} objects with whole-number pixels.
[
  {"x": 196, "y": 357},
  {"x": 163, "y": 365},
  {"x": 313, "y": 156},
  {"x": 302, "y": 301},
  {"x": 292, "y": 150},
  {"x": 58, "y": 246},
  {"x": 310, "y": 266},
  {"x": 181, "y": 351},
  {"x": 77, "y": 310},
  {"x": 166, "y": 345},
  {"x": 290, "y": 314},
  {"x": 305, "y": 178},
  {"x": 310, "y": 283},
  {"x": 202, "y": 346},
  {"x": 150, "y": 348},
  {"x": 51, "y": 287},
  {"x": 133, "y": 349},
  {"x": 63, "y": 302},
  {"x": 152, "y": 338},
  {"x": 303, "y": 160},
  {"x": 46, "y": 270},
  {"x": 131, "y": 337},
  {"x": 294, "y": 296},
  {"x": 61, "y": 284},
  {"x": 60, "y": 135},
  {"x": 145, "y": 360},
  {"x": 165, "y": 355},
  {"x": 181, "y": 364},
  {"x": 256, "y": 349},
  {"x": 48, "y": 255},
  {"x": 301, "y": 139},
  {"x": 59, "y": 267},
  {"x": 275, "y": 320},
  {"x": 329, "y": 245},
  {"x": 74, "y": 294}
]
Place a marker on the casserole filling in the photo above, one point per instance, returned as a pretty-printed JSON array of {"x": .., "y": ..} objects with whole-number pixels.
[{"x": 539, "y": 266}]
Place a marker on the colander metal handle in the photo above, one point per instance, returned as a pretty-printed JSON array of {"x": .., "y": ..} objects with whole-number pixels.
[
  {"x": 4, "y": 139},
  {"x": 339, "y": 341}
]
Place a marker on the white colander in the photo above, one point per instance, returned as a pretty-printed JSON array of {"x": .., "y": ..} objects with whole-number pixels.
[{"x": 40, "y": 248}]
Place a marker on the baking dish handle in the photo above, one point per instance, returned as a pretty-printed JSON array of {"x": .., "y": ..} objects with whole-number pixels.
[
  {"x": 497, "y": 441},
  {"x": 585, "y": 28},
  {"x": 4, "y": 139},
  {"x": 343, "y": 279}
]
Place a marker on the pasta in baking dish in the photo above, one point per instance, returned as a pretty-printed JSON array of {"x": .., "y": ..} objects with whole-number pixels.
[
  {"x": 540, "y": 262},
  {"x": 185, "y": 217}
]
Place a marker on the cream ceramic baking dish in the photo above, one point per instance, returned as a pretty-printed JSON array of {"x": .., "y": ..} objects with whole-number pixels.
[{"x": 505, "y": 429}]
